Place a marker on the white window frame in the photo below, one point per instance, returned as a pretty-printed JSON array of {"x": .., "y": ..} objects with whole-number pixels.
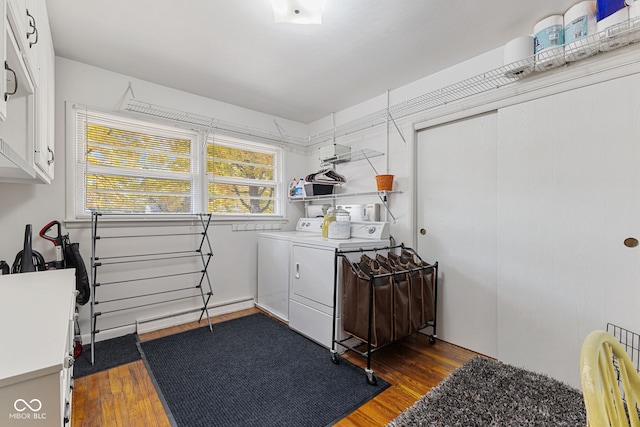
[
  {"x": 76, "y": 167},
  {"x": 277, "y": 152}
]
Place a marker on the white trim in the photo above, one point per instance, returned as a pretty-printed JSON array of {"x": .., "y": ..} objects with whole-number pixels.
[
  {"x": 172, "y": 319},
  {"x": 70, "y": 161},
  {"x": 199, "y": 137},
  {"x": 278, "y": 184}
]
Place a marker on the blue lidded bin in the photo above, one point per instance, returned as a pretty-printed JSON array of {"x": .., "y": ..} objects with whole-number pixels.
[{"x": 608, "y": 7}]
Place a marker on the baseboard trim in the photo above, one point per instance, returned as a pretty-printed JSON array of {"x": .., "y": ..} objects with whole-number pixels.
[{"x": 173, "y": 319}]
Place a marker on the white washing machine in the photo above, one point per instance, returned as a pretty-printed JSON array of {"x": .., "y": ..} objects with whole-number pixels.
[
  {"x": 312, "y": 275},
  {"x": 274, "y": 260},
  {"x": 274, "y": 255}
]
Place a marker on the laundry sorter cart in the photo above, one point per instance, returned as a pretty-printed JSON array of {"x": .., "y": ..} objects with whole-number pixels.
[{"x": 385, "y": 295}]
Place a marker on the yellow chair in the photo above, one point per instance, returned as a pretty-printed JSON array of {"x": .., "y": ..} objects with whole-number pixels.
[{"x": 608, "y": 376}]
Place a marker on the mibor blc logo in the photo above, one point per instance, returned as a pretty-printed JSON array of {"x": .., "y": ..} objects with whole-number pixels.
[{"x": 27, "y": 410}]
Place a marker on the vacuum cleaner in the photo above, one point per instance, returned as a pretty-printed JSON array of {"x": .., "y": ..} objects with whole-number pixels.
[
  {"x": 28, "y": 260},
  {"x": 67, "y": 256}
]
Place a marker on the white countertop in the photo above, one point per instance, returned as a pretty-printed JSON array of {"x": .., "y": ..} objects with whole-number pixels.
[{"x": 35, "y": 311}]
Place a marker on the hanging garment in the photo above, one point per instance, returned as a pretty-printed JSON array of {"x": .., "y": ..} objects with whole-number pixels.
[{"x": 326, "y": 176}]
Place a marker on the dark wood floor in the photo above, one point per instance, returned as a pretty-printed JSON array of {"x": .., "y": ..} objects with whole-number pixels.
[{"x": 125, "y": 396}]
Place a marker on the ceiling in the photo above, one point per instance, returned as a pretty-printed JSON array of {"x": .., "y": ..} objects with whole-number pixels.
[{"x": 232, "y": 51}]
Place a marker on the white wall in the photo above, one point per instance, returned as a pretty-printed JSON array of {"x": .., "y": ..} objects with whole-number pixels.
[
  {"x": 398, "y": 150},
  {"x": 588, "y": 278},
  {"x": 233, "y": 268},
  {"x": 234, "y": 265}
]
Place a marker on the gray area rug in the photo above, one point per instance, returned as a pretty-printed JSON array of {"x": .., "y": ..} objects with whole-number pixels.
[
  {"x": 253, "y": 371},
  {"x": 487, "y": 393}
]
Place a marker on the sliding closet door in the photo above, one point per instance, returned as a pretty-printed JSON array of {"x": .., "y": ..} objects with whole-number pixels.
[
  {"x": 456, "y": 209},
  {"x": 568, "y": 196}
]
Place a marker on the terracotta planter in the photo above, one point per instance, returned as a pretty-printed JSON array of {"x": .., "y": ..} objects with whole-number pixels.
[{"x": 384, "y": 182}]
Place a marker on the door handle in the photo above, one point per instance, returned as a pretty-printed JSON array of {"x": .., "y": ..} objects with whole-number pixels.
[{"x": 297, "y": 270}]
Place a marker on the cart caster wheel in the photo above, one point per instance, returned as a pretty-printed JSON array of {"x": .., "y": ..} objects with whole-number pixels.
[
  {"x": 432, "y": 339},
  {"x": 371, "y": 377},
  {"x": 373, "y": 380},
  {"x": 335, "y": 358}
]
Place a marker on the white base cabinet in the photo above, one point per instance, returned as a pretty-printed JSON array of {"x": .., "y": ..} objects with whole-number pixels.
[{"x": 37, "y": 311}]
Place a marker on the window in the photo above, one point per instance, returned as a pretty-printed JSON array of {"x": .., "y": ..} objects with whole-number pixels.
[
  {"x": 131, "y": 166},
  {"x": 243, "y": 178}
]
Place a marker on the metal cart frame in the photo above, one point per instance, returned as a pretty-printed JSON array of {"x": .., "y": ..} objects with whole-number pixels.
[{"x": 371, "y": 377}]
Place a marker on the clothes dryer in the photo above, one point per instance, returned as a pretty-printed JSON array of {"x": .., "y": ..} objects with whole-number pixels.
[{"x": 311, "y": 296}]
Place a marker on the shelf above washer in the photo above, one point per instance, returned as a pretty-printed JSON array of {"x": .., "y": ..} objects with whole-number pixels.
[
  {"x": 365, "y": 153},
  {"x": 382, "y": 194}
]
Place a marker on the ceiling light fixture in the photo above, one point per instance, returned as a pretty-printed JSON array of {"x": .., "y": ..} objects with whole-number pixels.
[{"x": 298, "y": 11}]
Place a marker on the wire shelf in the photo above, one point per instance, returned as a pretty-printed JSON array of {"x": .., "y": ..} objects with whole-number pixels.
[
  {"x": 365, "y": 153},
  {"x": 206, "y": 122},
  {"x": 612, "y": 38}
]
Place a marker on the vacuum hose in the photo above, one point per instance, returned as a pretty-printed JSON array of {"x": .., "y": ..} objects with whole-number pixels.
[
  {"x": 26, "y": 262},
  {"x": 27, "y": 259}
]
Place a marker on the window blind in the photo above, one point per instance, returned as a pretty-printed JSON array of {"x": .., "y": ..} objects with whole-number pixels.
[
  {"x": 243, "y": 178},
  {"x": 129, "y": 166}
]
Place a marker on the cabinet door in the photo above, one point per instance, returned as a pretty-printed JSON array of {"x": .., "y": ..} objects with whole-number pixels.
[
  {"x": 25, "y": 20},
  {"x": 45, "y": 101},
  {"x": 3, "y": 51},
  {"x": 16, "y": 12},
  {"x": 18, "y": 129}
]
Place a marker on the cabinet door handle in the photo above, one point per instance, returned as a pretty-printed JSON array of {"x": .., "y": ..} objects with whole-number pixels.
[
  {"x": 15, "y": 79},
  {"x": 34, "y": 29},
  {"x": 67, "y": 412},
  {"x": 297, "y": 270},
  {"x": 69, "y": 361},
  {"x": 53, "y": 156}
]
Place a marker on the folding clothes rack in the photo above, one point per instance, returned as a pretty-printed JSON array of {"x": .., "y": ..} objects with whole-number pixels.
[
  {"x": 178, "y": 293},
  {"x": 384, "y": 299}
]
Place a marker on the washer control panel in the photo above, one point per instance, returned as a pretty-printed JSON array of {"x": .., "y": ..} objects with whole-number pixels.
[
  {"x": 359, "y": 229},
  {"x": 310, "y": 225}
]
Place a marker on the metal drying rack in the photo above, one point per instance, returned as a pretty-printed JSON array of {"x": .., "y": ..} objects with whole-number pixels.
[{"x": 203, "y": 251}]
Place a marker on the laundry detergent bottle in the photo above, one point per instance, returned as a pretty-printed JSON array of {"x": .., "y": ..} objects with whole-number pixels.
[
  {"x": 292, "y": 187},
  {"x": 329, "y": 217},
  {"x": 300, "y": 188}
]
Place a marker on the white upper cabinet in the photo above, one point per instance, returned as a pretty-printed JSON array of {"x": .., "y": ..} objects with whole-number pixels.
[{"x": 27, "y": 107}]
